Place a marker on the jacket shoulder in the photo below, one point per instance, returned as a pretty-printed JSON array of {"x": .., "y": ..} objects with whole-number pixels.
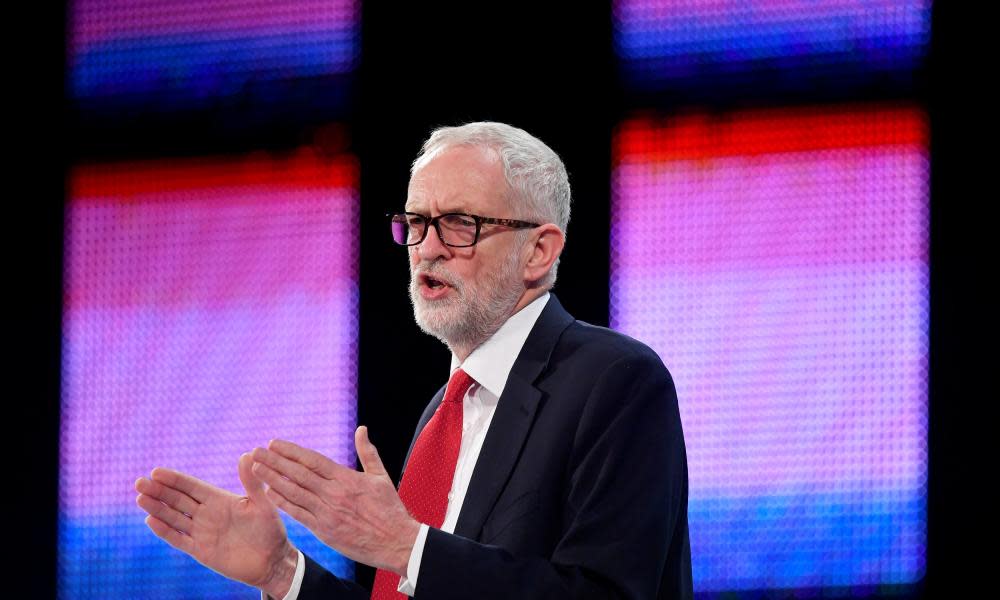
[{"x": 598, "y": 347}]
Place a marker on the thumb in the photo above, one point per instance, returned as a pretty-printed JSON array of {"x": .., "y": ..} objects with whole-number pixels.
[
  {"x": 370, "y": 460},
  {"x": 253, "y": 485}
]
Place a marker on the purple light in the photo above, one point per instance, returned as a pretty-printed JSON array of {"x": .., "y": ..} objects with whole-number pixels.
[
  {"x": 777, "y": 262},
  {"x": 209, "y": 307}
]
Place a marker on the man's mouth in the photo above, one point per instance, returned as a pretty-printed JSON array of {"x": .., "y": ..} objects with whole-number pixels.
[
  {"x": 433, "y": 281},
  {"x": 434, "y": 285}
]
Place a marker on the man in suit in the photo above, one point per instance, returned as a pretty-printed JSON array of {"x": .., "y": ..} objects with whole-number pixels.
[{"x": 552, "y": 465}]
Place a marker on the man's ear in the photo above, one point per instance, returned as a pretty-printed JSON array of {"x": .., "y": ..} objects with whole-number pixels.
[{"x": 547, "y": 244}]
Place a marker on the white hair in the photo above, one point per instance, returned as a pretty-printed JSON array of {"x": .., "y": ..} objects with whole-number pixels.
[{"x": 534, "y": 173}]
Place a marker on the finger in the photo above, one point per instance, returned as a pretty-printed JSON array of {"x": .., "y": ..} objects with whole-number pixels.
[
  {"x": 293, "y": 510},
  {"x": 161, "y": 511},
  {"x": 171, "y": 497},
  {"x": 288, "y": 468},
  {"x": 254, "y": 486},
  {"x": 289, "y": 489},
  {"x": 368, "y": 454},
  {"x": 310, "y": 459},
  {"x": 192, "y": 486},
  {"x": 165, "y": 532}
]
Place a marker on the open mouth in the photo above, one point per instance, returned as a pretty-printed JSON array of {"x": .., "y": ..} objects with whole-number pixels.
[{"x": 432, "y": 282}]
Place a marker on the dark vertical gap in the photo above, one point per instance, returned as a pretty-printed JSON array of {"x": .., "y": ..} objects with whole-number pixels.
[
  {"x": 33, "y": 242},
  {"x": 957, "y": 488},
  {"x": 545, "y": 69}
]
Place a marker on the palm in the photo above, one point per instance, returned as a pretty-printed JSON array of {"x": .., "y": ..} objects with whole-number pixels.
[
  {"x": 237, "y": 537},
  {"x": 241, "y": 537}
]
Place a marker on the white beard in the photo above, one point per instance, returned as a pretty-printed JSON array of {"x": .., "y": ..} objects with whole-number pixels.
[{"x": 472, "y": 313}]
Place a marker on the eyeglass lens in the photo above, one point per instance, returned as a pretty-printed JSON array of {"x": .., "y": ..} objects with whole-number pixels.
[{"x": 454, "y": 229}]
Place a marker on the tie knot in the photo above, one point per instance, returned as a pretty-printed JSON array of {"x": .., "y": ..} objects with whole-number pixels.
[{"x": 457, "y": 386}]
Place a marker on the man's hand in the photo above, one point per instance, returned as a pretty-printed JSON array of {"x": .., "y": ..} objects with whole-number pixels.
[
  {"x": 241, "y": 537},
  {"x": 358, "y": 514}
]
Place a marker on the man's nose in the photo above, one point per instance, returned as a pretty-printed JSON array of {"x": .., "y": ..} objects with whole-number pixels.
[{"x": 432, "y": 247}]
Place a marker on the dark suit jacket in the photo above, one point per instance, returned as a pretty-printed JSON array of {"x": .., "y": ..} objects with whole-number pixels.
[{"x": 580, "y": 490}]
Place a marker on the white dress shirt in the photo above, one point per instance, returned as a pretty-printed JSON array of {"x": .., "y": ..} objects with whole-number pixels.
[{"x": 489, "y": 365}]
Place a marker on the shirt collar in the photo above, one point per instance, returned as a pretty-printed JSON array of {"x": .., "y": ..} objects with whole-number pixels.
[{"x": 491, "y": 362}]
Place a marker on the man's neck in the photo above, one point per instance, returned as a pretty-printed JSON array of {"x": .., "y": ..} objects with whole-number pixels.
[
  {"x": 462, "y": 351},
  {"x": 529, "y": 296}
]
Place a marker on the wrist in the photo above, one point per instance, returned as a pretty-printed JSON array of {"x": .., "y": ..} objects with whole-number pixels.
[
  {"x": 282, "y": 574},
  {"x": 408, "y": 537}
]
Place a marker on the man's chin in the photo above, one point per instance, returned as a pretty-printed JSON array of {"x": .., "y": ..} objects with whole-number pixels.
[
  {"x": 449, "y": 336},
  {"x": 435, "y": 317}
]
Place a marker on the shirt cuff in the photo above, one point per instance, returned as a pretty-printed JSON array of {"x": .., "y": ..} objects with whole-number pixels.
[
  {"x": 408, "y": 584},
  {"x": 300, "y": 573}
]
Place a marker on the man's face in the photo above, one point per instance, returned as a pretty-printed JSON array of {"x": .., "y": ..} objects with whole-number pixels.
[{"x": 463, "y": 295}]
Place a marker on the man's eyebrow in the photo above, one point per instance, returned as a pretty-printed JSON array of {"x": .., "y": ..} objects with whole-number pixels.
[{"x": 457, "y": 208}]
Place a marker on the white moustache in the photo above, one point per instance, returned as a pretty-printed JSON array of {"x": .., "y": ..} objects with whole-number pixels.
[{"x": 437, "y": 273}]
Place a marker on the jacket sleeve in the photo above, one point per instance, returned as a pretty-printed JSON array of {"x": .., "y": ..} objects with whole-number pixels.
[
  {"x": 624, "y": 533},
  {"x": 320, "y": 584}
]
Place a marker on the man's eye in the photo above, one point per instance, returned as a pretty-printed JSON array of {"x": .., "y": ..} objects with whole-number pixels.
[
  {"x": 415, "y": 221},
  {"x": 460, "y": 221}
]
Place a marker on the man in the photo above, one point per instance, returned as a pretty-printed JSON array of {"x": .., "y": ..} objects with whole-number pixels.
[{"x": 552, "y": 465}]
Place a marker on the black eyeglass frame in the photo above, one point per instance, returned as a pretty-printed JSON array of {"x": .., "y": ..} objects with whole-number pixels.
[{"x": 480, "y": 221}]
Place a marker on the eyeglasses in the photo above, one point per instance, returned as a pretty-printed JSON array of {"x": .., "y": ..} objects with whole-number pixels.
[{"x": 457, "y": 230}]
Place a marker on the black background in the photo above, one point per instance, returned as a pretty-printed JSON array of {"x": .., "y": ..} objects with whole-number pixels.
[{"x": 551, "y": 71}]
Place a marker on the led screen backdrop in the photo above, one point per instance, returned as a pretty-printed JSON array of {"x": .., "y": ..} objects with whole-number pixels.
[
  {"x": 777, "y": 262},
  {"x": 209, "y": 305},
  {"x": 777, "y": 44},
  {"x": 170, "y": 54}
]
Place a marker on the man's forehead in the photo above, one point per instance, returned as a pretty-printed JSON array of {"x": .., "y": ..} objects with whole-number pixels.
[
  {"x": 469, "y": 162},
  {"x": 460, "y": 179}
]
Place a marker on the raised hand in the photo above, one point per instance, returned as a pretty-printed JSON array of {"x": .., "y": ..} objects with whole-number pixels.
[
  {"x": 358, "y": 514},
  {"x": 241, "y": 537}
]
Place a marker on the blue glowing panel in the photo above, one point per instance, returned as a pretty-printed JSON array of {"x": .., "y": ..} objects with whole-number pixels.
[
  {"x": 777, "y": 262},
  {"x": 170, "y": 54},
  {"x": 209, "y": 306},
  {"x": 777, "y": 44}
]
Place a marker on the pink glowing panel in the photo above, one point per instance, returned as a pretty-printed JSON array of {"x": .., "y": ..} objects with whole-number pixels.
[
  {"x": 210, "y": 305},
  {"x": 777, "y": 262}
]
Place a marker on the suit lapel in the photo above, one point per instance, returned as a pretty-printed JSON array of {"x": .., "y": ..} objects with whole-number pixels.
[
  {"x": 512, "y": 420},
  {"x": 424, "y": 418}
]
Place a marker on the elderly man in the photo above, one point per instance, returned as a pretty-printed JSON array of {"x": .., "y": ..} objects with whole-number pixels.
[{"x": 552, "y": 464}]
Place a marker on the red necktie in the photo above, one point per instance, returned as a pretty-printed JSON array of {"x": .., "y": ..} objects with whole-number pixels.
[{"x": 430, "y": 471}]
